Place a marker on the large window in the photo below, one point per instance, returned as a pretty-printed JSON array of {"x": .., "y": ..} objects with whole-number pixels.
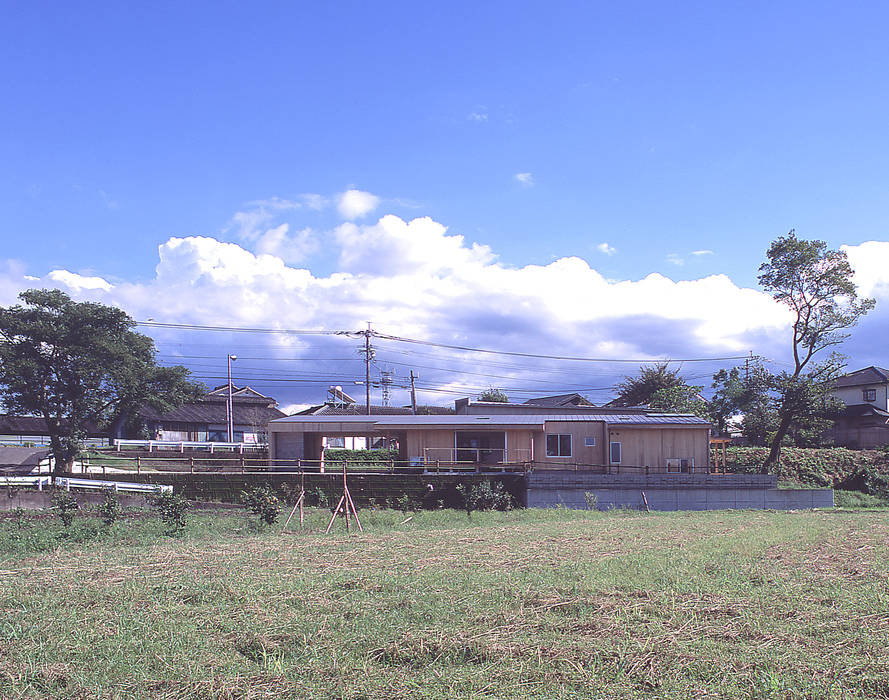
[
  {"x": 615, "y": 453},
  {"x": 558, "y": 445},
  {"x": 869, "y": 394}
]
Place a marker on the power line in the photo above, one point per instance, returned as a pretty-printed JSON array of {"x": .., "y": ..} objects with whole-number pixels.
[{"x": 552, "y": 357}]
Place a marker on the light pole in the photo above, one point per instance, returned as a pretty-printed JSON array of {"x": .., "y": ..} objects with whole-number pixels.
[{"x": 231, "y": 408}]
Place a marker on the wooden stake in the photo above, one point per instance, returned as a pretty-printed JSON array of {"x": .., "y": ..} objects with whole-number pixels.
[
  {"x": 335, "y": 511},
  {"x": 298, "y": 504},
  {"x": 645, "y": 501}
]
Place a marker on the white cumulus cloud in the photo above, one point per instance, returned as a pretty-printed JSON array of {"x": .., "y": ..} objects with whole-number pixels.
[
  {"x": 414, "y": 278},
  {"x": 354, "y": 204},
  {"x": 606, "y": 249},
  {"x": 526, "y": 179}
]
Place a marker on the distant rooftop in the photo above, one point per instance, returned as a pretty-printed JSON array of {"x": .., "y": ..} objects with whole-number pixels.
[{"x": 868, "y": 375}]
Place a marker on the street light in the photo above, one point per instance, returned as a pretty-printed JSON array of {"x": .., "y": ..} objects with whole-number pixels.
[{"x": 231, "y": 408}]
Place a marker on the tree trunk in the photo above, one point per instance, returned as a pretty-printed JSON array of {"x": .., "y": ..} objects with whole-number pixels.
[{"x": 783, "y": 426}]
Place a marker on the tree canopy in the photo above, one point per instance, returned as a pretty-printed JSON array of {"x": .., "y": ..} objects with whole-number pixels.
[
  {"x": 638, "y": 391},
  {"x": 494, "y": 395},
  {"x": 817, "y": 284},
  {"x": 76, "y": 363}
]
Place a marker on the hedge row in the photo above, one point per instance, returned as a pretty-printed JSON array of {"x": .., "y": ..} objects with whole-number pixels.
[{"x": 852, "y": 470}]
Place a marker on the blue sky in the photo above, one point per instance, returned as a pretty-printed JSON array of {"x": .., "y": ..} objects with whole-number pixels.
[{"x": 649, "y": 131}]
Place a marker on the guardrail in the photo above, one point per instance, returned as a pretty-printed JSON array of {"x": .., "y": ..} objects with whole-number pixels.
[
  {"x": 182, "y": 444},
  {"x": 68, "y": 483},
  {"x": 125, "y": 486},
  {"x": 38, "y": 481}
]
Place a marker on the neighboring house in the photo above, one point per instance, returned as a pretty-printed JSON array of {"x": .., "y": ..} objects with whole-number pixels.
[
  {"x": 629, "y": 442},
  {"x": 559, "y": 401},
  {"x": 864, "y": 422},
  {"x": 21, "y": 461},
  {"x": 564, "y": 404},
  {"x": 206, "y": 420},
  {"x": 31, "y": 431}
]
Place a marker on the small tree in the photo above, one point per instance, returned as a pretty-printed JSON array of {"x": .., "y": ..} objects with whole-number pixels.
[
  {"x": 494, "y": 395},
  {"x": 171, "y": 508},
  {"x": 817, "y": 285},
  {"x": 263, "y": 503},
  {"x": 64, "y": 504},
  {"x": 109, "y": 508}
]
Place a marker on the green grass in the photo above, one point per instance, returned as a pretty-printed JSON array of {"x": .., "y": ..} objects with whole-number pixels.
[{"x": 537, "y": 604}]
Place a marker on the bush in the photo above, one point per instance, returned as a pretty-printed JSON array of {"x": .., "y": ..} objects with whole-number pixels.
[
  {"x": 485, "y": 496},
  {"x": 263, "y": 503},
  {"x": 317, "y": 497},
  {"x": 109, "y": 509},
  {"x": 404, "y": 503},
  {"x": 171, "y": 508},
  {"x": 65, "y": 505},
  {"x": 854, "y": 499}
]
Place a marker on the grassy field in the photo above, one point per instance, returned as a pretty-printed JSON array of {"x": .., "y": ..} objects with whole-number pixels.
[{"x": 526, "y": 604}]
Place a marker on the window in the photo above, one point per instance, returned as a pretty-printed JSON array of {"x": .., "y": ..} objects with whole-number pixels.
[
  {"x": 589, "y": 442},
  {"x": 869, "y": 394},
  {"x": 679, "y": 464},
  {"x": 558, "y": 445},
  {"x": 615, "y": 453}
]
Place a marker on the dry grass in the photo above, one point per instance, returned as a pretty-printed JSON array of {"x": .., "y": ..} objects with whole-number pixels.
[{"x": 527, "y": 604}]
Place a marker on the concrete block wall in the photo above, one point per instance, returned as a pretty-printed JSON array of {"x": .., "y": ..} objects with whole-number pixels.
[
  {"x": 585, "y": 480},
  {"x": 683, "y": 498}
]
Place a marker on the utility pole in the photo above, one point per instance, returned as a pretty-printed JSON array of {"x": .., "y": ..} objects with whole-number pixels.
[
  {"x": 413, "y": 394},
  {"x": 231, "y": 407},
  {"x": 367, "y": 368}
]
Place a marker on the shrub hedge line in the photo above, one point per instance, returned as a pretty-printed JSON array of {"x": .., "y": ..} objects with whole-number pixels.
[{"x": 850, "y": 470}]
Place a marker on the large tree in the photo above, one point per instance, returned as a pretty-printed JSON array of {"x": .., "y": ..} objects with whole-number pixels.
[
  {"x": 638, "y": 391},
  {"x": 816, "y": 283},
  {"x": 80, "y": 363}
]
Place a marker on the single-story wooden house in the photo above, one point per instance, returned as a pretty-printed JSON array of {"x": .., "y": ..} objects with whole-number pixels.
[
  {"x": 206, "y": 420},
  {"x": 597, "y": 442}
]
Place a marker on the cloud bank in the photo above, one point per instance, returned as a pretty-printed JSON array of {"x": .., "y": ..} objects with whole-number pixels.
[{"x": 413, "y": 278}]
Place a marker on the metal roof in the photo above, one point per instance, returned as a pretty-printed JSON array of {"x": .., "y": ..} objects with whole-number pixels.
[{"x": 503, "y": 419}]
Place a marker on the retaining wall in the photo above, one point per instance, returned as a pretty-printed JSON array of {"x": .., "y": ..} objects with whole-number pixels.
[
  {"x": 670, "y": 492},
  {"x": 363, "y": 487}
]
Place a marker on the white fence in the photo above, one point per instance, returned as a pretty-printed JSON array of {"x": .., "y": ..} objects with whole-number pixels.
[
  {"x": 68, "y": 483},
  {"x": 180, "y": 445}
]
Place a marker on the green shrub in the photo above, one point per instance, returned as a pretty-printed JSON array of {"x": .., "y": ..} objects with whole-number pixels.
[
  {"x": 171, "y": 508},
  {"x": 64, "y": 504},
  {"x": 485, "y": 496},
  {"x": 109, "y": 509},
  {"x": 592, "y": 500},
  {"x": 856, "y": 499},
  {"x": 404, "y": 503},
  {"x": 334, "y": 458},
  {"x": 317, "y": 497},
  {"x": 263, "y": 503}
]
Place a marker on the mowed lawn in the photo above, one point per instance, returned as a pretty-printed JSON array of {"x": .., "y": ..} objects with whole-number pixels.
[{"x": 536, "y": 604}]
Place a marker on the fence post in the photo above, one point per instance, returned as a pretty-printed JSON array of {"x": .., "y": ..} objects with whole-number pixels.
[
  {"x": 191, "y": 464},
  {"x": 138, "y": 466}
]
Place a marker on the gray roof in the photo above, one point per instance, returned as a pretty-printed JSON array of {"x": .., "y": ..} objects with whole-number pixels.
[
  {"x": 249, "y": 407},
  {"x": 21, "y": 460},
  {"x": 34, "y": 425},
  {"x": 868, "y": 375},
  {"x": 524, "y": 419},
  {"x": 573, "y": 399},
  {"x": 327, "y": 409}
]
